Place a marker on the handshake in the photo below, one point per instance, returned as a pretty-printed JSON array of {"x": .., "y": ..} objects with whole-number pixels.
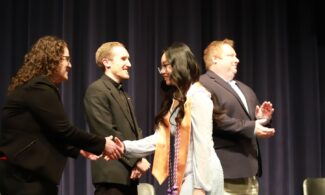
[{"x": 114, "y": 149}]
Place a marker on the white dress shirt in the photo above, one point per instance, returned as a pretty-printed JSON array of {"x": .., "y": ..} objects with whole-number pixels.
[{"x": 234, "y": 85}]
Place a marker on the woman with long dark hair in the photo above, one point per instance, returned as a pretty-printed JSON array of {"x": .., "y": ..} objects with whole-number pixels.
[{"x": 182, "y": 141}]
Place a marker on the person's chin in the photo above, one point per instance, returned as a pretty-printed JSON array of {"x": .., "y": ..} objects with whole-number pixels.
[
  {"x": 126, "y": 77},
  {"x": 168, "y": 82}
]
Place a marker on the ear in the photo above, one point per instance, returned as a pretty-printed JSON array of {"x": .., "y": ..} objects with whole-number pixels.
[
  {"x": 214, "y": 59},
  {"x": 107, "y": 63}
]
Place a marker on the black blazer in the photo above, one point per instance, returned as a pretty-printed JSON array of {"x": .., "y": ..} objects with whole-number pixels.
[
  {"x": 235, "y": 142},
  {"x": 36, "y": 133},
  {"x": 107, "y": 115}
]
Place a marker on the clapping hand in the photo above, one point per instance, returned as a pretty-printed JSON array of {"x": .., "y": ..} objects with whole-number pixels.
[
  {"x": 263, "y": 114},
  {"x": 261, "y": 131},
  {"x": 264, "y": 111}
]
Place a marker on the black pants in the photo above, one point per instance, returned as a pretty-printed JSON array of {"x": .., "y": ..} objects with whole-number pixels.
[
  {"x": 116, "y": 189},
  {"x": 18, "y": 181}
]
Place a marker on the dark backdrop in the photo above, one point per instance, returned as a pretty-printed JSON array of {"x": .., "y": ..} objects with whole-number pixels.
[{"x": 280, "y": 45}]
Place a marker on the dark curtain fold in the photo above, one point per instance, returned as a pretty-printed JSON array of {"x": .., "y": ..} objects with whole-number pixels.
[{"x": 280, "y": 45}]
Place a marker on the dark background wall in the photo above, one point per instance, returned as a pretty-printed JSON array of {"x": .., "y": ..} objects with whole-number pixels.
[{"x": 280, "y": 45}]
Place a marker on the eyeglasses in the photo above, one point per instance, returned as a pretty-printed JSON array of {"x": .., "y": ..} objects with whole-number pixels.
[
  {"x": 67, "y": 58},
  {"x": 163, "y": 67}
]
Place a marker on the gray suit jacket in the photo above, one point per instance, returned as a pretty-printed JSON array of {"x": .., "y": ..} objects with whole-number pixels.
[
  {"x": 106, "y": 116},
  {"x": 235, "y": 142}
]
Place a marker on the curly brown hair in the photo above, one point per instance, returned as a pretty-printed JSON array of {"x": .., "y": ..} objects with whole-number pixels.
[{"x": 42, "y": 59}]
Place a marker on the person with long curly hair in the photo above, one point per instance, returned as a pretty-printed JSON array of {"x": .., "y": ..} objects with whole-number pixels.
[
  {"x": 36, "y": 135},
  {"x": 182, "y": 141}
]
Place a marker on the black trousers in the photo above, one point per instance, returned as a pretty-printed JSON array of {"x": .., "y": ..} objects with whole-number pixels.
[
  {"x": 17, "y": 181},
  {"x": 116, "y": 189}
]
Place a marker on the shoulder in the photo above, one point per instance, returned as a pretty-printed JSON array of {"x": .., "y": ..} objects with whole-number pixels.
[
  {"x": 39, "y": 89},
  {"x": 210, "y": 80},
  {"x": 40, "y": 83},
  {"x": 208, "y": 75},
  {"x": 99, "y": 85},
  {"x": 204, "y": 78},
  {"x": 198, "y": 90},
  {"x": 39, "y": 80},
  {"x": 199, "y": 97}
]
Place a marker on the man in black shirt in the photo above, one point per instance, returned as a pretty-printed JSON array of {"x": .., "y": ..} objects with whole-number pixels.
[{"x": 109, "y": 112}]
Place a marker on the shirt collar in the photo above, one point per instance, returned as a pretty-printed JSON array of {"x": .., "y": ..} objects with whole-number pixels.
[{"x": 117, "y": 85}]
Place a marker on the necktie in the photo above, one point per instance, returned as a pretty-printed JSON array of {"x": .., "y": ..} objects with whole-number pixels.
[{"x": 234, "y": 85}]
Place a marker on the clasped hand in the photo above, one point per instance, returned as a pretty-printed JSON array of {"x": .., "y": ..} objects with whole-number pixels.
[
  {"x": 114, "y": 149},
  {"x": 140, "y": 168}
]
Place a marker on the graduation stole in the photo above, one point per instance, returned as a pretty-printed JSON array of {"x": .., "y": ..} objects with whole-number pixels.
[{"x": 160, "y": 168}]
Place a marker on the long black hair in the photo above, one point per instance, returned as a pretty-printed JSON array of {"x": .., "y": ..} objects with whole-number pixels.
[{"x": 185, "y": 72}]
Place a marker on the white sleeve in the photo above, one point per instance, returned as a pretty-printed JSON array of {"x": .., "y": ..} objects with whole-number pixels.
[
  {"x": 142, "y": 147},
  {"x": 201, "y": 113}
]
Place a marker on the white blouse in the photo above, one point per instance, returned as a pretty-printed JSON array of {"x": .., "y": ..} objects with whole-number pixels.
[{"x": 202, "y": 162}]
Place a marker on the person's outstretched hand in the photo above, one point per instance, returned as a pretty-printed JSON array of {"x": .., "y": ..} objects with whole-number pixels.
[
  {"x": 112, "y": 150},
  {"x": 89, "y": 155}
]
